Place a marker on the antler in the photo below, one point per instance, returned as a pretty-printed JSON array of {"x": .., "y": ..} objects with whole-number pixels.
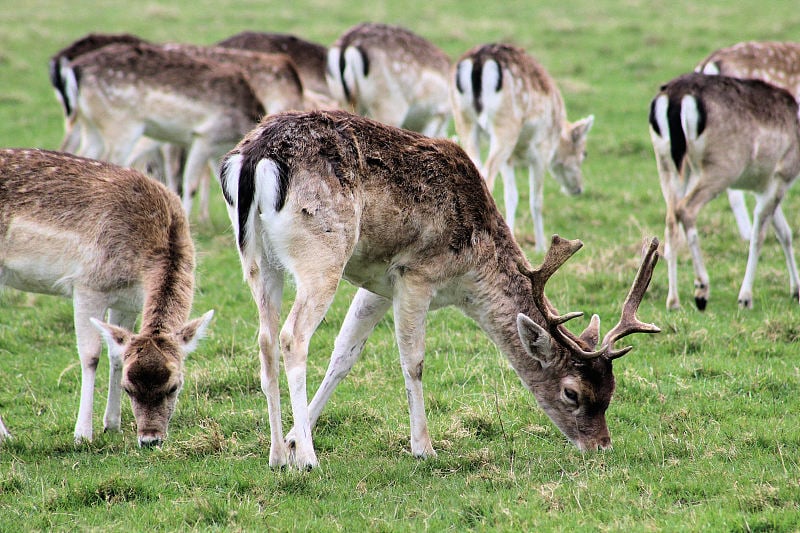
[
  {"x": 628, "y": 323},
  {"x": 559, "y": 252}
]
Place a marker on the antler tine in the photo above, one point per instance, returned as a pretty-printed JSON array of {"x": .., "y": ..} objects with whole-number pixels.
[
  {"x": 629, "y": 323},
  {"x": 559, "y": 252}
]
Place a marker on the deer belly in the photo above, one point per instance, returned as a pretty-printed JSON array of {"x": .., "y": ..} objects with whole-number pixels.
[{"x": 35, "y": 258}]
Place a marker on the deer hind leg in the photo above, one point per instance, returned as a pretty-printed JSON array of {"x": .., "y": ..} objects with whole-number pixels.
[
  {"x": 784, "y": 233},
  {"x": 766, "y": 206},
  {"x": 686, "y": 213},
  {"x": 112, "y": 419},
  {"x": 739, "y": 208},
  {"x": 364, "y": 313},
  {"x": 501, "y": 147},
  {"x": 266, "y": 286},
  {"x": 410, "y": 304},
  {"x": 87, "y": 304}
]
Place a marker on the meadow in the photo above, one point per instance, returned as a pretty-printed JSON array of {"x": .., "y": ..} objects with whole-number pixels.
[{"x": 706, "y": 417}]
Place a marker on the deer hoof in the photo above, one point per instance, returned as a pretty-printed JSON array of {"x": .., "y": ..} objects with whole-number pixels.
[{"x": 700, "y": 302}]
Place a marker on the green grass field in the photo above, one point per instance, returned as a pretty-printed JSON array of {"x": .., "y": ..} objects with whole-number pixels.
[{"x": 705, "y": 419}]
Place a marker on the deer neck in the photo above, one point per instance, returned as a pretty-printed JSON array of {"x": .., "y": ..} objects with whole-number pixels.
[{"x": 169, "y": 284}]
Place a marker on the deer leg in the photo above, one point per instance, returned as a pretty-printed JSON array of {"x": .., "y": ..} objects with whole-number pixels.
[
  {"x": 510, "y": 193},
  {"x": 766, "y": 205},
  {"x": 364, "y": 313},
  {"x": 739, "y": 208},
  {"x": 671, "y": 239},
  {"x": 784, "y": 233},
  {"x": 4, "y": 434},
  {"x": 536, "y": 201},
  {"x": 315, "y": 291},
  {"x": 266, "y": 286},
  {"x": 501, "y": 146},
  {"x": 112, "y": 419},
  {"x": 410, "y": 304},
  {"x": 196, "y": 161},
  {"x": 686, "y": 213},
  {"x": 87, "y": 304}
]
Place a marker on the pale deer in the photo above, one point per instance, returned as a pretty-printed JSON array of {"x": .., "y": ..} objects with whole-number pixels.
[
  {"x": 502, "y": 92},
  {"x": 122, "y": 92},
  {"x": 711, "y": 133},
  {"x": 774, "y": 62},
  {"x": 391, "y": 75},
  {"x": 117, "y": 243},
  {"x": 407, "y": 218},
  {"x": 309, "y": 57},
  {"x": 61, "y": 59}
]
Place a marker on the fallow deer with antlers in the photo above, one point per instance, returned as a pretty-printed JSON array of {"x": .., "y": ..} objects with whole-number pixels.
[
  {"x": 117, "y": 243},
  {"x": 392, "y": 75},
  {"x": 774, "y": 62},
  {"x": 323, "y": 196},
  {"x": 712, "y": 133},
  {"x": 502, "y": 92}
]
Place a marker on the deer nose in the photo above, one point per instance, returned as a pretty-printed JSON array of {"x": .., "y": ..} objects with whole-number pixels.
[
  {"x": 604, "y": 443},
  {"x": 149, "y": 441}
]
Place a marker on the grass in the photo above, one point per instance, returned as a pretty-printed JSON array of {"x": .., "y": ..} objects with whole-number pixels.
[{"x": 705, "y": 418}]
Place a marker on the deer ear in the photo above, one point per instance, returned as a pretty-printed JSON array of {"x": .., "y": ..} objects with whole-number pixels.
[
  {"x": 591, "y": 335},
  {"x": 191, "y": 333},
  {"x": 535, "y": 340},
  {"x": 581, "y": 128},
  {"x": 116, "y": 337}
]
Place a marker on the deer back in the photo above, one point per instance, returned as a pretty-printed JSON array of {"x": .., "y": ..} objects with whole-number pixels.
[
  {"x": 774, "y": 62},
  {"x": 310, "y": 57},
  {"x": 734, "y": 128}
]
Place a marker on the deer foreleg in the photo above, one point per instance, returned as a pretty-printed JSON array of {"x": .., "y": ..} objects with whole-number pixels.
[
  {"x": 87, "y": 305},
  {"x": 112, "y": 419}
]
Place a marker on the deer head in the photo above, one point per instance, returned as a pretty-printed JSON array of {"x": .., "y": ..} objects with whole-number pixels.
[{"x": 576, "y": 381}]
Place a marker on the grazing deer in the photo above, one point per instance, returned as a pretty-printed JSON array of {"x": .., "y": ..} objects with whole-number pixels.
[
  {"x": 310, "y": 58},
  {"x": 408, "y": 219},
  {"x": 116, "y": 242},
  {"x": 59, "y": 62},
  {"x": 711, "y": 133},
  {"x": 122, "y": 92},
  {"x": 777, "y": 63},
  {"x": 500, "y": 91},
  {"x": 391, "y": 75},
  {"x": 273, "y": 77}
]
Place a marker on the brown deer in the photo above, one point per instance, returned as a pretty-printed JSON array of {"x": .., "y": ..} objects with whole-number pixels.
[
  {"x": 407, "y": 218},
  {"x": 502, "y": 92},
  {"x": 121, "y": 92},
  {"x": 391, "y": 75},
  {"x": 117, "y": 243},
  {"x": 774, "y": 62},
  {"x": 712, "y": 133},
  {"x": 309, "y": 57}
]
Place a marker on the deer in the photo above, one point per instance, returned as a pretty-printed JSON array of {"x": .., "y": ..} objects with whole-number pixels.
[
  {"x": 119, "y": 245},
  {"x": 774, "y": 62},
  {"x": 391, "y": 75},
  {"x": 329, "y": 195},
  {"x": 712, "y": 133},
  {"x": 501, "y": 92},
  {"x": 122, "y": 92},
  {"x": 309, "y": 57}
]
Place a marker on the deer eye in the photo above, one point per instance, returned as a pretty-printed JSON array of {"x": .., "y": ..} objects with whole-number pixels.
[
  {"x": 173, "y": 390},
  {"x": 570, "y": 395}
]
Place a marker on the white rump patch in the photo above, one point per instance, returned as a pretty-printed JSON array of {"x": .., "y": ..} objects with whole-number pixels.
[
  {"x": 490, "y": 77},
  {"x": 464, "y": 77},
  {"x": 660, "y": 112},
  {"x": 711, "y": 69},
  {"x": 689, "y": 117},
  {"x": 233, "y": 167}
]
